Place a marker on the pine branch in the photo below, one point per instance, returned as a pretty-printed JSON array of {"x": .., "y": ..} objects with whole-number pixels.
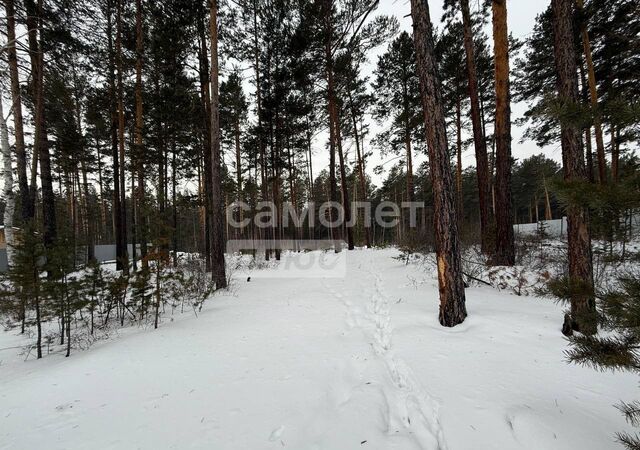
[
  {"x": 630, "y": 442},
  {"x": 604, "y": 353},
  {"x": 631, "y": 412}
]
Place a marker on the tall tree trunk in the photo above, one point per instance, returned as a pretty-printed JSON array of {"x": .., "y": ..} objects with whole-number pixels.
[
  {"x": 121, "y": 125},
  {"x": 139, "y": 143},
  {"x": 41, "y": 148},
  {"x": 236, "y": 135},
  {"x": 332, "y": 113},
  {"x": 593, "y": 91},
  {"x": 7, "y": 195},
  {"x": 27, "y": 207},
  {"x": 134, "y": 217},
  {"x": 205, "y": 95},
  {"x": 310, "y": 159},
  {"x": 580, "y": 264},
  {"x": 113, "y": 106},
  {"x": 505, "y": 254},
  {"x": 407, "y": 145},
  {"x": 312, "y": 190},
  {"x": 264, "y": 188},
  {"x": 587, "y": 131},
  {"x": 547, "y": 201},
  {"x": 292, "y": 188},
  {"x": 87, "y": 209},
  {"x": 174, "y": 205},
  {"x": 36, "y": 303},
  {"x": 33, "y": 25},
  {"x": 273, "y": 176},
  {"x": 217, "y": 228},
  {"x": 103, "y": 208},
  {"x": 459, "y": 161},
  {"x": 615, "y": 153},
  {"x": 361, "y": 177},
  {"x": 344, "y": 184},
  {"x": 480, "y": 144},
  {"x": 451, "y": 286},
  {"x": 410, "y": 189}
]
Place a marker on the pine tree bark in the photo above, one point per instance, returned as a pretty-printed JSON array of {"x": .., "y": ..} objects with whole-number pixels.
[
  {"x": 482, "y": 161},
  {"x": 26, "y": 206},
  {"x": 41, "y": 148},
  {"x": 584, "y": 91},
  {"x": 361, "y": 177},
  {"x": 32, "y": 23},
  {"x": 593, "y": 93},
  {"x": 409, "y": 154},
  {"x": 121, "y": 149},
  {"x": 407, "y": 144},
  {"x": 217, "y": 227},
  {"x": 547, "y": 201},
  {"x": 236, "y": 136},
  {"x": 451, "y": 286},
  {"x": 344, "y": 184},
  {"x": 505, "y": 254},
  {"x": 36, "y": 303},
  {"x": 88, "y": 209},
  {"x": 264, "y": 187},
  {"x": 139, "y": 143},
  {"x": 113, "y": 106},
  {"x": 174, "y": 205},
  {"x": 615, "y": 153},
  {"x": 332, "y": 113},
  {"x": 580, "y": 263},
  {"x": 460, "y": 198},
  {"x": 205, "y": 97}
]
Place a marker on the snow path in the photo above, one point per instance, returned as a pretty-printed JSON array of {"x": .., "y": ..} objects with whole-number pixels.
[
  {"x": 409, "y": 408},
  {"x": 349, "y": 363}
]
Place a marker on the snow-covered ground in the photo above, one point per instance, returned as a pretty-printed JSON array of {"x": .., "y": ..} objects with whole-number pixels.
[{"x": 358, "y": 362}]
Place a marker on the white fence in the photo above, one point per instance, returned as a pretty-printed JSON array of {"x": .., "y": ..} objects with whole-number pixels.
[{"x": 552, "y": 228}]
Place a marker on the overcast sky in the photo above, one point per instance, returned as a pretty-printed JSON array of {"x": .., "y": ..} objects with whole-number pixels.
[{"x": 522, "y": 16}]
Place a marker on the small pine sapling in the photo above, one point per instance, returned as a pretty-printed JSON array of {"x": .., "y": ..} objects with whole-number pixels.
[
  {"x": 619, "y": 314},
  {"x": 25, "y": 278}
]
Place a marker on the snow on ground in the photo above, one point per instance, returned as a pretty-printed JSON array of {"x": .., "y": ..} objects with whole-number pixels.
[{"x": 358, "y": 362}]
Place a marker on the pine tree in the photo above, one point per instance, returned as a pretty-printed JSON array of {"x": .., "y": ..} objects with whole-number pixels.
[
  {"x": 479, "y": 139},
  {"x": 580, "y": 263},
  {"x": 505, "y": 246},
  {"x": 233, "y": 112},
  {"x": 217, "y": 205},
  {"x": 34, "y": 23},
  {"x": 533, "y": 179},
  {"x": 119, "y": 101},
  {"x": 27, "y": 208},
  {"x": 26, "y": 276},
  {"x": 397, "y": 98},
  {"x": 141, "y": 220},
  {"x": 452, "y": 297},
  {"x": 618, "y": 313},
  {"x": 593, "y": 94}
]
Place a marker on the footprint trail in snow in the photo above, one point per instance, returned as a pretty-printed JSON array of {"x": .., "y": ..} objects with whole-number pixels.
[{"x": 409, "y": 408}]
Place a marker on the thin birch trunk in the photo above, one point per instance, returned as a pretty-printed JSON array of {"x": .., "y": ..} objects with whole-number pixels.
[
  {"x": 21, "y": 155},
  {"x": 8, "y": 195}
]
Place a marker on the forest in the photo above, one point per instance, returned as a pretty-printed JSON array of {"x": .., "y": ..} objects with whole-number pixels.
[{"x": 162, "y": 157}]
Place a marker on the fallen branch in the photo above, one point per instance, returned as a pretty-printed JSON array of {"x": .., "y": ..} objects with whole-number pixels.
[{"x": 477, "y": 279}]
